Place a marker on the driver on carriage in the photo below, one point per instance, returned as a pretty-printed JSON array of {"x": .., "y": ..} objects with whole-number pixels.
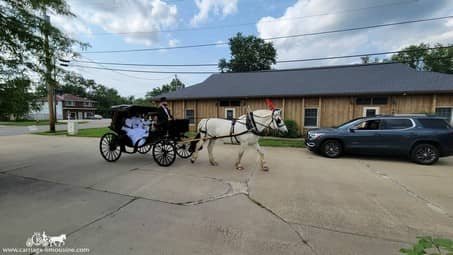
[{"x": 163, "y": 114}]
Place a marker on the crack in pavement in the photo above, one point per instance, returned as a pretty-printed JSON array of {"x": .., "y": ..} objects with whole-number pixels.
[
  {"x": 300, "y": 236},
  {"x": 433, "y": 206},
  {"x": 234, "y": 188},
  {"x": 3, "y": 171},
  {"x": 349, "y": 233},
  {"x": 229, "y": 193},
  {"x": 103, "y": 217}
]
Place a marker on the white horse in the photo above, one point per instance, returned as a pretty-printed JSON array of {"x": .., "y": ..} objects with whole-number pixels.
[
  {"x": 57, "y": 240},
  {"x": 244, "y": 131}
]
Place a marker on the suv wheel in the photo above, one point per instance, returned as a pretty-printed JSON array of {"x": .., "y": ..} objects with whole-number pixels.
[
  {"x": 425, "y": 154},
  {"x": 331, "y": 148}
]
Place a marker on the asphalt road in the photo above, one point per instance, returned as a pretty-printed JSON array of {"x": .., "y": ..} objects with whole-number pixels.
[
  {"x": 20, "y": 130},
  {"x": 306, "y": 204}
]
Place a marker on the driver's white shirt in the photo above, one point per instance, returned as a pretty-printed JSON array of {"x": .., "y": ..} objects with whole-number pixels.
[{"x": 166, "y": 112}]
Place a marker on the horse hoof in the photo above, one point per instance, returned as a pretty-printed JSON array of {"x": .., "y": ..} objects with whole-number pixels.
[
  {"x": 214, "y": 163},
  {"x": 192, "y": 161},
  {"x": 265, "y": 169},
  {"x": 239, "y": 168}
]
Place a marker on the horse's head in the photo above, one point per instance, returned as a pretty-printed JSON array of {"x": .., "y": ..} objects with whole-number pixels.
[
  {"x": 277, "y": 121},
  {"x": 271, "y": 119}
]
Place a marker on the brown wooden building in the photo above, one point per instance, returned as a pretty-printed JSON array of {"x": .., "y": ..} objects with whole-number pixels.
[{"x": 319, "y": 97}]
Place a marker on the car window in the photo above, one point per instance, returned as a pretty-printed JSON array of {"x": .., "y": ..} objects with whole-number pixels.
[
  {"x": 434, "y": 123},
  {"x": 347, "y": 122},
  {"x": 397, "y": 123},
  {"x": 369, "y": 125}
]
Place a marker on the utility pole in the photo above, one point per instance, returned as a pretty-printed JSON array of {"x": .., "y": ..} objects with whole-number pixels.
[{"x": 48, "y": 79}]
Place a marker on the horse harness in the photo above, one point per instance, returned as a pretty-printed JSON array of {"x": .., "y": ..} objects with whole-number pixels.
[{"x": 250, "y": 124}]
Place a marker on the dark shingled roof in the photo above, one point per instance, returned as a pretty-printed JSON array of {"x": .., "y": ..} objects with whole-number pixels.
[{"x": 382, "y": 78}]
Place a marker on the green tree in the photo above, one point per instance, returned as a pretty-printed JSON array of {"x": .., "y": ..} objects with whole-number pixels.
[
  {"x": 16, "y": 100},
  {"x": 29, "y": 42},
  {"x": 106, "y": 98},
  {"x": 174, "y": 85},
  {"x": 426, "y": 58},
  {"x": 368, "y": 60},
  {"x": 142, "y": 101},
  {"x": 70, "y": 83},
  {"x": 248, "y": 53},
  {"x": 412, "y": 55}
]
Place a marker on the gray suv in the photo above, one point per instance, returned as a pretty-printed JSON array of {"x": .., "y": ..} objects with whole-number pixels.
[{"x": 421, "y": 138}]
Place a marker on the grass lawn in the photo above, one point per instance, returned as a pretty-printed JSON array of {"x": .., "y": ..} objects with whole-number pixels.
[
  {"x": 32, "y": 122},
  {"x": 26, "y": 123},
  {"x": 264, "y": 141},
  {"x": 271, "y": 142},
  {"x": 87, "y": 132}
]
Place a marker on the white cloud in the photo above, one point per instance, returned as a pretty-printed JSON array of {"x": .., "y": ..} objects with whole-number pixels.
[
  {"x": 70, "y": 25},
  {"x": 362, "y": 41},
  {"x": 173, "y": 42},
  {"x": 205, "y": 7},
  {"x": 129, "y": 18}
]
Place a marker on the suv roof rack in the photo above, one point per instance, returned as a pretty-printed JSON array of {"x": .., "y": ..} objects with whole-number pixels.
[{"x": 402, "y": 115}]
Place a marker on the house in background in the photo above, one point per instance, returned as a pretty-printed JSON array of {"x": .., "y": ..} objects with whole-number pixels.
[
  {"x": 68, "y": 107},
  {"x": 320, "y": 96}
]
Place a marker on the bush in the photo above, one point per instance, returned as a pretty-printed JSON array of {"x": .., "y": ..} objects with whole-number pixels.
[
  {"x": 430, "y": 245},
  {"x": 293, "y": 130}
]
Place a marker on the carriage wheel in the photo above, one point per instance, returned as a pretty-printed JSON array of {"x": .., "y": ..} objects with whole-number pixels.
[
  {"x": 109, "y": 147},
  {"x": 144, "y": 149},
  {"x": 182, "y": 149},
  {"x": 164, "y": 152}
]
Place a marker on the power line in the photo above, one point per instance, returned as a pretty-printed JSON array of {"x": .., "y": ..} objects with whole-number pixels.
[
  {"x": 285, "y": 61},
  {"x": 276, "y": 38},
  {"x": 279, "y": 61},
  {"x": 144, "y": 71},
  {"x": 123, "y": 74},
  {"x": 150, "y": 65},
  {"x": 254, "y": 23}
]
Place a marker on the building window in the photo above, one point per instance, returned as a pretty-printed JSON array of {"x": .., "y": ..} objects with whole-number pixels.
[
  {"x": 230, "y": 113},
  {"x": 226, "y": 103},
  {"x": 445, "y": 112},
  {"x": 379, "y": 100},
  {"x": 311, "y": 117},
  {"x": 370, "y": 111},
  {"x": 363, "y": 100},
  {"x": 190, "y": 115},
  {"x": 371, "y": 100},
  {"x": 70, "y": 103}
]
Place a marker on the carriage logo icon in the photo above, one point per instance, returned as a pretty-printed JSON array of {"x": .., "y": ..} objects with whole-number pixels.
[{"x": 43, "y": 240}]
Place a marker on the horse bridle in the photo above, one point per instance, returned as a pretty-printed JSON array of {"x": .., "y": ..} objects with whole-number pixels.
[{"x": 278, "y": 122}]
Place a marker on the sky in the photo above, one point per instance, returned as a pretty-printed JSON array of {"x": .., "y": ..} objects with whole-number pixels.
[{"x": 137, "y": 24}]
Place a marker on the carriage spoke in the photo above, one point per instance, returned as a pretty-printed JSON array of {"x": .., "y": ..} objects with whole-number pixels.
[{"x": 109, "y": 147}]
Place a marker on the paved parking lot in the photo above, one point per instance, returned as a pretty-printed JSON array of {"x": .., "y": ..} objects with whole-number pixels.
[{"x": 306, "y": 204}]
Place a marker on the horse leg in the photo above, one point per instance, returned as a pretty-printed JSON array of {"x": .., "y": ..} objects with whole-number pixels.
[
  {"x": 241, "y": 153},
  {"x": 211, "y": 156},
  {"x": 197, "y": 148},
  {"x": 260, "y": 151}
]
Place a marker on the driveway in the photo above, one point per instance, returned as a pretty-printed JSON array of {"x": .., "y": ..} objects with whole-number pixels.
[
  {"x": 306, "y": 204},
  {"x": 20, "y": 130}
]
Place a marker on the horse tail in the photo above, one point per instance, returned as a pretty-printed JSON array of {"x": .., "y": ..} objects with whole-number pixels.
[{"x": 193, "y": 144}]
